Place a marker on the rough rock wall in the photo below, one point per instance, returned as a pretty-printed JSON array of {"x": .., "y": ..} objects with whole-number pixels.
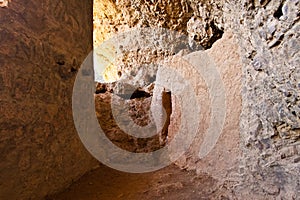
[
  {"x": 115, "y": 16},
  {"x": 268, "y": 33},
  {"x": 109, "y": 106},
  {"x": 42, "y": 45},
  {"x": 222, "y": 162},
  {"x": 201, "y": 20},
  {"x": 270, "y": 122}
]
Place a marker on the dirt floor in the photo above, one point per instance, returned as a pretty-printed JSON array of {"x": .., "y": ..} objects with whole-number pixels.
[{"x": 170, "y": 183}]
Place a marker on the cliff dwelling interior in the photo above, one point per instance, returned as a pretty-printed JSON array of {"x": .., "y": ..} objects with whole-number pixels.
[{"x": 149, "y": 99}]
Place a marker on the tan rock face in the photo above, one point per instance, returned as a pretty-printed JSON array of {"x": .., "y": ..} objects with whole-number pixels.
[
  {"x": 268, "y": 36},
  {"x": 42, "y": 45},
  {"x": 224, "y": 157},
  {"x": 110, "y": 108},
  {"x": 201, "y": 21},
  {"x": 44, "y": 42}
]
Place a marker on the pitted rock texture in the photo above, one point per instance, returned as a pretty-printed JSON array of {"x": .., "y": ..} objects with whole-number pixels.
[
  {"x": 42, "y": 45},
  {"x": 115, "y": 16},
  {"x": 44, "y": 42},
  {"x": 207, "y": 24},
  {"x": 270, "y": 123},
  {"x": 201, "y": 21},
  {"x": 268, "y": 34}
]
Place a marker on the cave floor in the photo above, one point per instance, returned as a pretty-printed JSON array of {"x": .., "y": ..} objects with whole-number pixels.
[{"x": 170, "y": 183}]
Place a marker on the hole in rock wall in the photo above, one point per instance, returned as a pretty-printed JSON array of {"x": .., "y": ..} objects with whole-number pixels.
[{"x": 278, "y": 13}]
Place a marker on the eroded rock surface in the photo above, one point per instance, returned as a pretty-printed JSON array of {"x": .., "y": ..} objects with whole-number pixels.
[
  {"x": 268, "y": 32},
  {"x": 268, "y": 35},
  {"x": 42, "y": 46}
]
